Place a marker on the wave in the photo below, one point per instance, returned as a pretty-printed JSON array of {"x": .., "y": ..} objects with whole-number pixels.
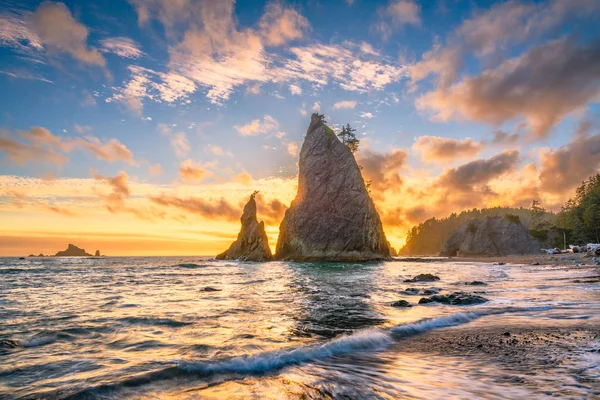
[{"x": 261, "y": 363}]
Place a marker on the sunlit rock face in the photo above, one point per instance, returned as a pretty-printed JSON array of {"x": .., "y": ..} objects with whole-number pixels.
[
  {"x": 497, "y": 236},
  {"x": 72, "y": 251},
  {"x": 332, "y": 218},
  {"x": 252, "y": 243}
]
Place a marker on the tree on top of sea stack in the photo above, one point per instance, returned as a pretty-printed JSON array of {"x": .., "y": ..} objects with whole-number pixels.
[
  {"x": 332, "y": 218},
  {"x": 252, "y": 243}
]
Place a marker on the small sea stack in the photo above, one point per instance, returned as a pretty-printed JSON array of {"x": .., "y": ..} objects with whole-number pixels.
[
  {"x": 332, "y": 218},
  {"x": 252, "y": 243},
  {"x": 73, "y": 251}
]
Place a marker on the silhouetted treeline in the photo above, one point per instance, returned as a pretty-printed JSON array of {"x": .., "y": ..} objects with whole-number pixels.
[{"x": 429, "y": 237}]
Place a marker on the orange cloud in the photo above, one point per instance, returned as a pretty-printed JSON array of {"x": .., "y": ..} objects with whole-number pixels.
[
  {"x": 61, "y": 33},
  {"x": 435, "y": 148}
]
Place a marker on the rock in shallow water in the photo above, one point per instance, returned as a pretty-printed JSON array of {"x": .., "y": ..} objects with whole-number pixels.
[
  {"x": 401, "y": 303},
  {"x": 252, "y": 243},
  {"x": 454, "y": 299},
  {"x": 332, "y": 218},
  {"x": 423, "y": 278}
]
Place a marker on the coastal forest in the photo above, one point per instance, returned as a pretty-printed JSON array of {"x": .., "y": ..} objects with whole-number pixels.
[{"x": 578, "y": 221}]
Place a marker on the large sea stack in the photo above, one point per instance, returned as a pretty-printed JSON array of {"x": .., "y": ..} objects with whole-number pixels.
[
  {"x": 332, "y": 218},
  {"x": 492, "y": 236},
  {"x": 252, "y": 243}
]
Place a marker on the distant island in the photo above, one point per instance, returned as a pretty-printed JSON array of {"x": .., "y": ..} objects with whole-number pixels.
[{"x": 71, "y": 251}]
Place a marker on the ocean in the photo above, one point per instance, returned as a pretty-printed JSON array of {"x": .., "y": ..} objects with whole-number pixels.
[{"x": 193, "y": 327}]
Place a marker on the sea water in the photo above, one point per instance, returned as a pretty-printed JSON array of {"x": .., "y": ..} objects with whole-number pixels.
[{"x": 193, "y": 327}]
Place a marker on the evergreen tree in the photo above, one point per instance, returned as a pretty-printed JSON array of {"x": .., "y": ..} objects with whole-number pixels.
[{"x": 348, "y": 137}]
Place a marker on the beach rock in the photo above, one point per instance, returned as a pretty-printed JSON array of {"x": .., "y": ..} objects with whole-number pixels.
[
  {"x": 423, "y": 278},
  {"x": 492, "y": 236},
  {"x": 71, "y": 251},
  {"x": 423, "y": 292},
  {"x": 210, "y": 289},
  {"x": 401, "y": 304},
  {"x": 476, "y": 283},
  {"x": 252, "y": 243},
  {"x": 454, "y": 299},
  {"x": 332, "y": 218}
]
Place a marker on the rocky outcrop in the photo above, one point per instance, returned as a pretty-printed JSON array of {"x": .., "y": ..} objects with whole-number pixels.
[
  {"x": 97, "y": 253},
  {"x": 454, "y": 299},
  {"x": 252, "y": 243},
  {"x": 72, "y": 251},
  {"x": 332, "y": 218},
  {"x": 492, "y": 236}
]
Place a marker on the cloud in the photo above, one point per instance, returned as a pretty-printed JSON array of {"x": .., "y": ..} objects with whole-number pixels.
[
  {"x": 295, "y": 90},
  {"x": 14, "y": 33},
  {"x": 565, "y": 168},
  {"x": 61, "y": 33},
  {"x": 543, "y": 85},
  {"x": 122, "y": 47},
  {"x": 292, "y": 148},
  {"x": 256, "y": 127},
  {"x": 178, "y": 140},
  {"x": 45, "y": 147},
  {"x": 478, "y": 173},
  {"x": 436, "y": 149},
  {"x": 345, "y": 65},
  {"x": 366, "y": 115},
  {"x": 316, "y": 106},
  {"x": 115, "y": 201},
  {"x": 112, "y": 150},
  {"x": 344, "y": 104},
  {"x": 155, "y": 169},
  {"x": 496, "y": 29},
  {"x": 382, "y": 169},
  {"x": 279, "y": 25},
  {"x": 501, "y": 137},
  {"x": 192, "y": 172},
  {"x": 209, "y": 48},
  {"x": 396, "y": 14},
  {"x": 147, "y": 84},
  {"x": 214, "y": 209}
]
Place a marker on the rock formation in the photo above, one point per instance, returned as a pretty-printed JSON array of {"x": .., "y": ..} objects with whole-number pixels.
[
  {"x": 252, "y": 243},
  {"x": 72, "y": 251},
  {"x": 97, "y": 254},
  {"x": 492, "y": 236},
  {"x": 332, "y": 218}
]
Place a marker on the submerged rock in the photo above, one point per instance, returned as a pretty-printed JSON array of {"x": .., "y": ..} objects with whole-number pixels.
[
  {"x": 72, "y": 251},
  {"x": 476, "y": 283},
  {"x": 401, "y": 303},
  {"x": 332, "y": 218},
  {"x": 252, "y": 243},
  {"x": 423, "y": 278},
  {"x": 454, "y": 299},
  {"x": 492, "y": 236},
  {"x": 423, "y": 292}
]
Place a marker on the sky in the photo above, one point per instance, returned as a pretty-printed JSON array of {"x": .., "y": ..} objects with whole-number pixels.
[{"x": 141, "y": 127}]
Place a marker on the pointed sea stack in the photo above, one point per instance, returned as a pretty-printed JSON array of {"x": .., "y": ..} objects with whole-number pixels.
[
  {"x": 252, "y": 243},
  {"x": 332, "y": 218}
]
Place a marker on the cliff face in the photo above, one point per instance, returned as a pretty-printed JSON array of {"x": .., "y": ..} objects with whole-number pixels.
[
  {"x": 495, "y": 236},
  {"x": 72, "y": 251},
  {"x": 332, "y": 218},
  {"x": 252, "y": 243}
]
